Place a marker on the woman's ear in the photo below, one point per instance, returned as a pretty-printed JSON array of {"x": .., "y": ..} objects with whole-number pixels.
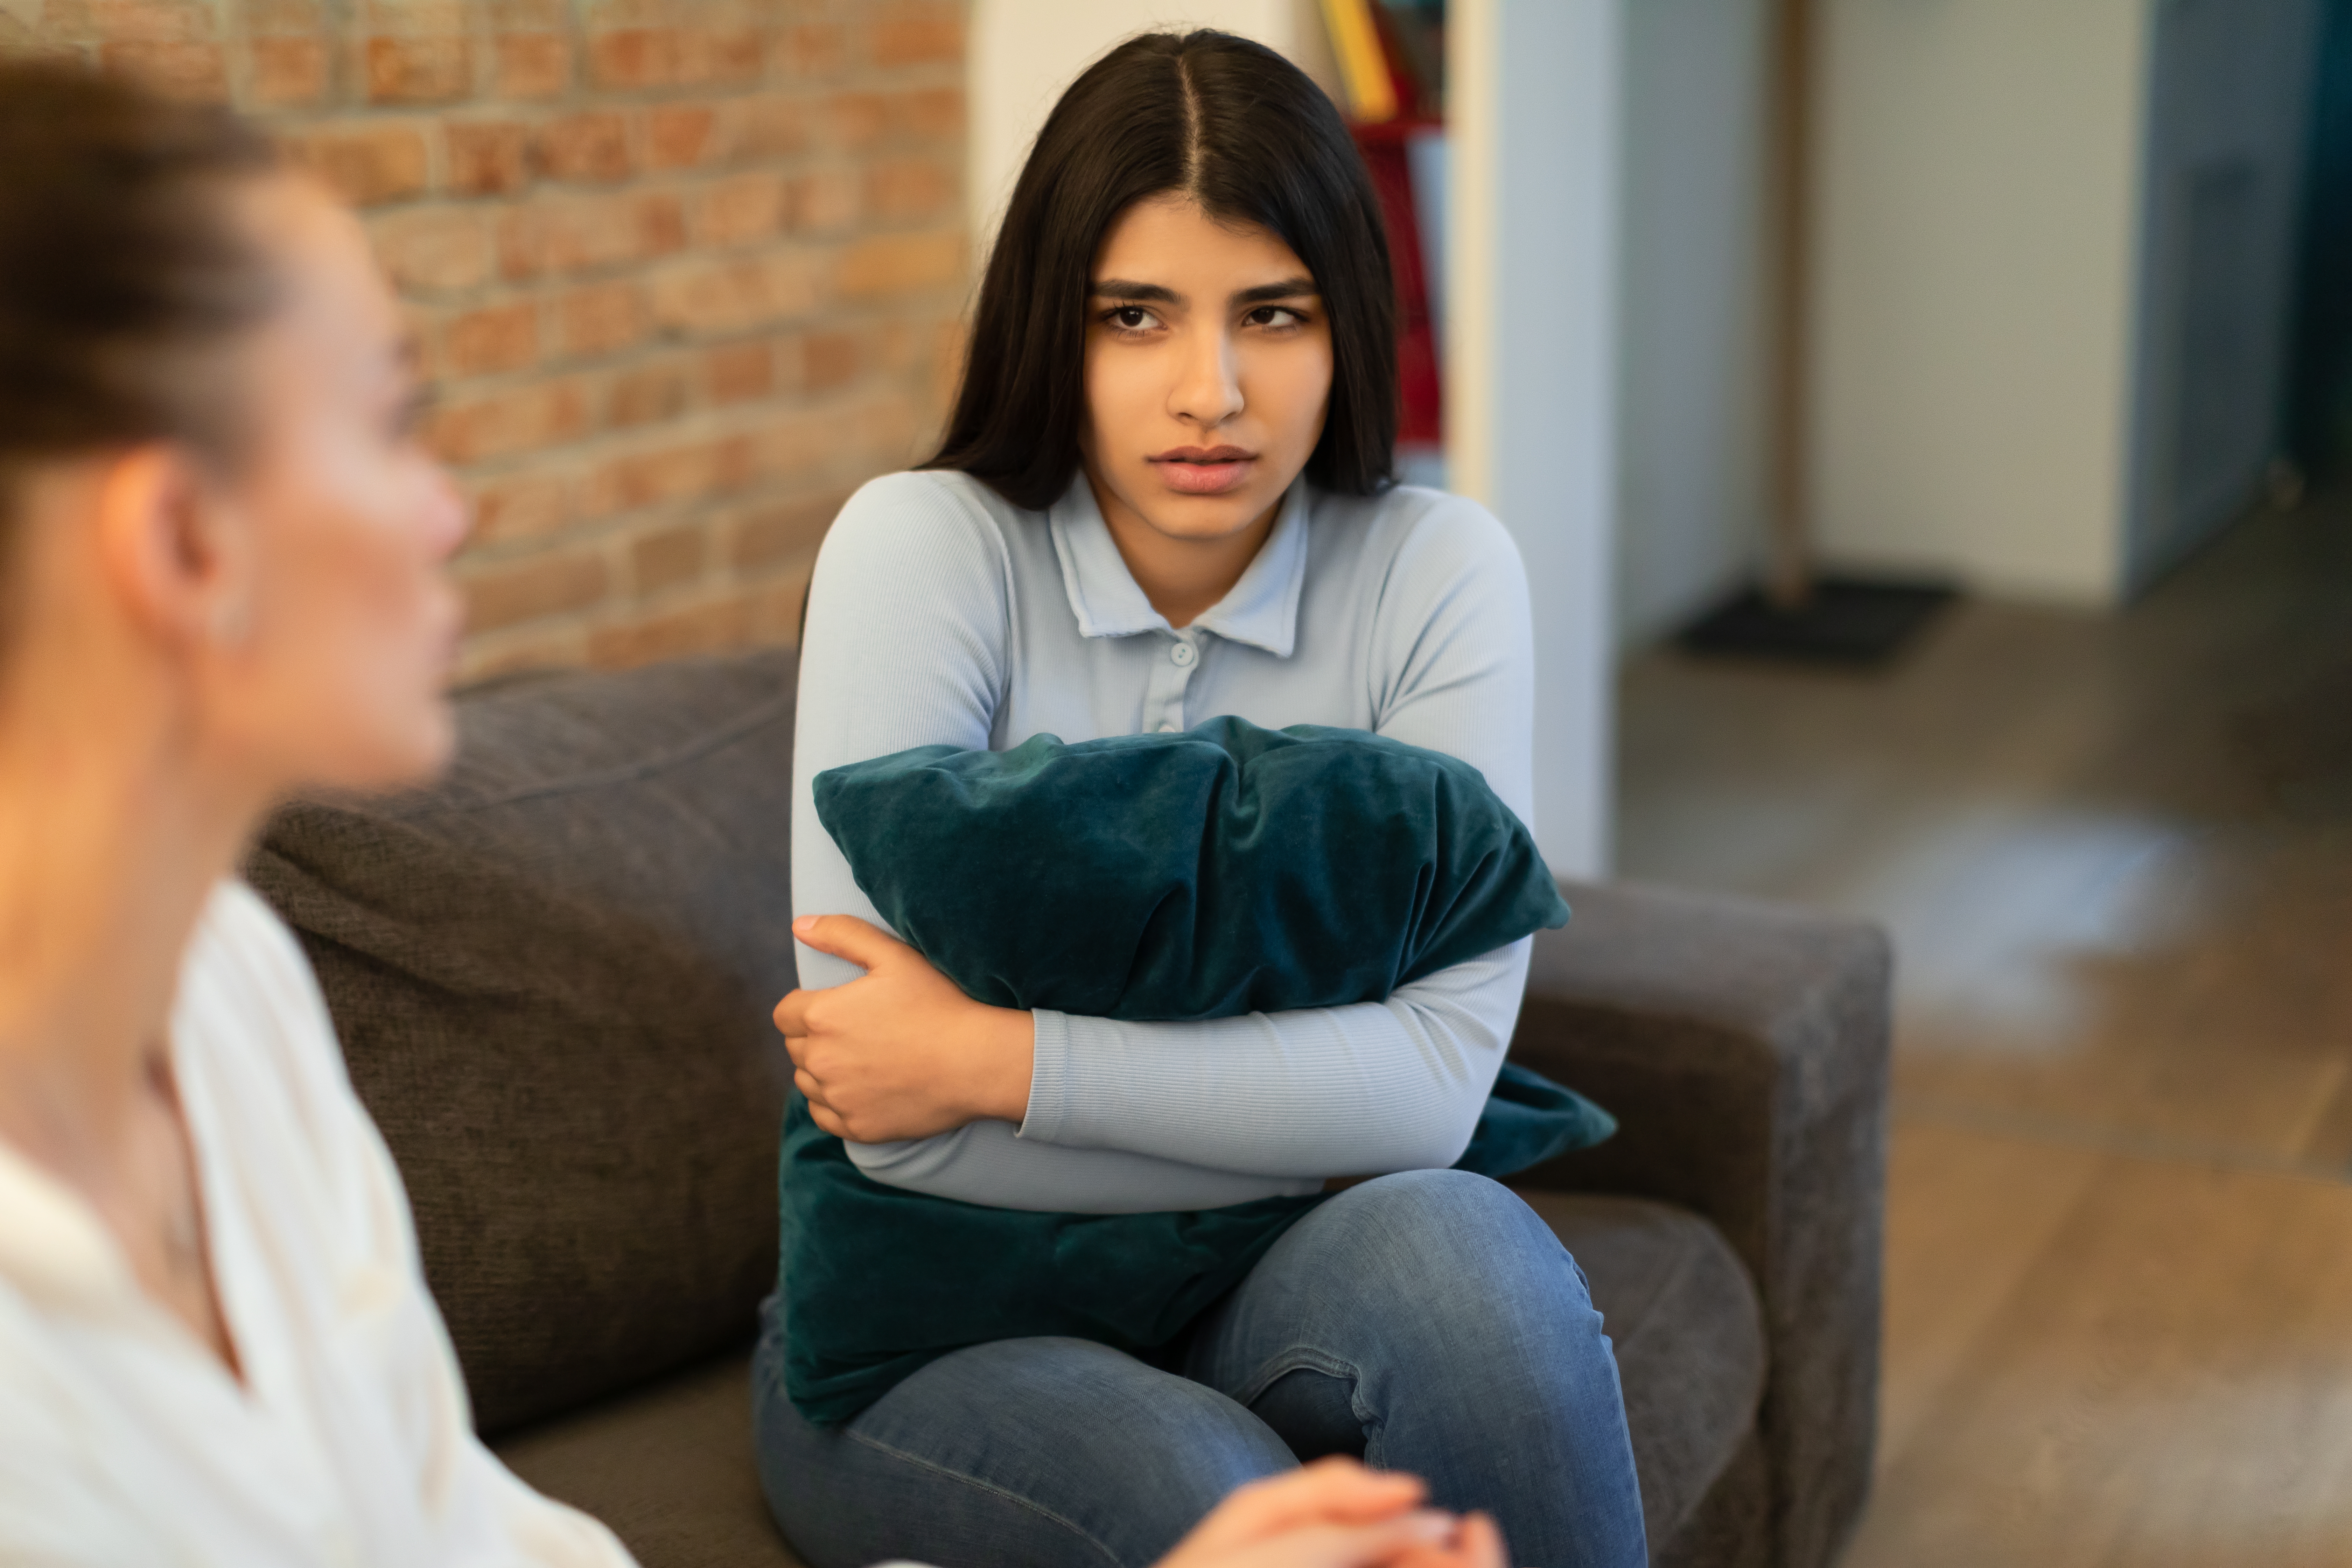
[{"x": 179, "y": 555}]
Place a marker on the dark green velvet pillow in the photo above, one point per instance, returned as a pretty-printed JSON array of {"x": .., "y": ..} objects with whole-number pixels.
[
  {"x": 1230, "y": 869},
  {"x": 1227, "y": 870}
]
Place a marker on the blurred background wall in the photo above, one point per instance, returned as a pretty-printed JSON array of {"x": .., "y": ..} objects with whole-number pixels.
[
  {"x": 2055, "y": 281},
  {"x": 686, "y": 271}
]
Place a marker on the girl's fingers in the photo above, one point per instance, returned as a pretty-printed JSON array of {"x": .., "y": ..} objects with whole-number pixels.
[{"x": 862, "y": 942}]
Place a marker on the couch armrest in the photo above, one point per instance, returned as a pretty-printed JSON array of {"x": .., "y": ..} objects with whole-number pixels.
[{"x": 1743, "y": 1048}]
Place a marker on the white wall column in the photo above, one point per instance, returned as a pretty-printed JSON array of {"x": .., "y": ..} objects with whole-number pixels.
[{"x": 1532, "y": 374}]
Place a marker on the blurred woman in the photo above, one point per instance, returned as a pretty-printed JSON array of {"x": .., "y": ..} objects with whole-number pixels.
[{"x": 221, "y": 579}]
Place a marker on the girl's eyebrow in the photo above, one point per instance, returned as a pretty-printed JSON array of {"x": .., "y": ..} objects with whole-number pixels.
[
  {"x": 1121, "y": 289},
  {"x": 1266, "y": 293}
]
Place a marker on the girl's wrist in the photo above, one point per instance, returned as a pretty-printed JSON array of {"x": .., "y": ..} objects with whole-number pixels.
[{"x": 1007, "y": 1050}]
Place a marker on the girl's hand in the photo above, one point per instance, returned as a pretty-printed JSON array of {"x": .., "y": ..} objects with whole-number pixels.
[
  {"x": 1334, "y": 1513},
  {"x": 900, "y": 1053}
]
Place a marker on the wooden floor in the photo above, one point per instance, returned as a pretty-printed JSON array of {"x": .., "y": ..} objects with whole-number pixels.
[{"x": 2116, "y": 855}]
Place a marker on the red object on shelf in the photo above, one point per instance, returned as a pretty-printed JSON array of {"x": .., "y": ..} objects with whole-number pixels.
[{"x": 1418, "y": 382}]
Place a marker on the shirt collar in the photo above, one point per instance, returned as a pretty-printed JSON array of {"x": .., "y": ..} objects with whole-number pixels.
[
  {"x": 53, "y": 1247},
  {"x": 1261, "y": 609}
]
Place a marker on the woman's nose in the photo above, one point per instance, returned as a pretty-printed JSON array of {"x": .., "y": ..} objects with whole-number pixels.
[{"x": 1210, "y": 392}]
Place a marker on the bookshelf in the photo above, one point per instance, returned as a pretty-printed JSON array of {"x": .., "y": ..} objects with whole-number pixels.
[{"x": 1391, "y": 63}]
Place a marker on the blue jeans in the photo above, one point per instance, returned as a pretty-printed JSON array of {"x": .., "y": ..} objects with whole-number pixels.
[{"x": 1427, "y": 1322}]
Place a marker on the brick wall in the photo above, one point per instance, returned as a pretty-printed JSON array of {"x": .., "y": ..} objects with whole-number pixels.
[{"x": 684, "y": 271}]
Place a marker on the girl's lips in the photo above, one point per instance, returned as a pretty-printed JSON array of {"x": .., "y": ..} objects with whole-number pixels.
[{"x": 1204, "y": 478}]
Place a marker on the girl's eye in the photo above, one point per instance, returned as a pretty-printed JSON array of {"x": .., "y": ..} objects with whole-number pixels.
[
  {"x": 1132, "y": 319},
  {"x": 1274, "y": 316}
]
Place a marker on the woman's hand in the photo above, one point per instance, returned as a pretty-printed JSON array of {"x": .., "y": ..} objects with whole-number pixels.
[
  {"x": 1334, "y": 1513},
  {"x": 900, "y": 1053}
]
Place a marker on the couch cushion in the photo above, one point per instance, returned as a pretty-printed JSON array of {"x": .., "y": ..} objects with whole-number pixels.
[
  {"x": 551, "y": 974},
  {"x": 1689, "y": 1333},
  {"x": 670, "y": 1467}
]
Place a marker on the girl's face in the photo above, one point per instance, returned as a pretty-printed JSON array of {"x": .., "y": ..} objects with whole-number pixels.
[
  {"x": 342, "y": 622},
  {"x": 1208, "y": 371}
]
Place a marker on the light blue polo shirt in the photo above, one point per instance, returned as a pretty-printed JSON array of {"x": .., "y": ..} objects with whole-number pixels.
[{"x": 941, "y": 614}]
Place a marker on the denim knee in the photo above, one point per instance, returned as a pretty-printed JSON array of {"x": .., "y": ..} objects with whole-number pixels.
[
  {"x": 1457, "y": 1266},
  {"x": 1438, "y": 1224}
]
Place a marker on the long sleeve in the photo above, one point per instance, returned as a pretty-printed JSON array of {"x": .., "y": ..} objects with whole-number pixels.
[
  {"x": 913, "y": 639},
  {"x": 1362, "y": 1090}
]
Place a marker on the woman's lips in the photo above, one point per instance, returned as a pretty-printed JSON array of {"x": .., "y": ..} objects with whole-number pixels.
[{"x": 1212, "y": 474}]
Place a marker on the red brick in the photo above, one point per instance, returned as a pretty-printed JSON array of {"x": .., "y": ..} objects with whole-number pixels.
[
  {"x": 495, "y": 338},
  {"x": 726, "y": 297},
  {"x": 580, "y": 235},
  {"x": 813, "y": 51},
  {"x": 602, "y": 318},
  {"x": 899, "y": 264},
  {"x": 257, "y": 17},
  {"x": 488, "y": 158},
  {"x": 557, "y": 648},
  {"x": 672, "y": 56},
  {"x": 770, "y": 127},
  {"x": 828, "y": 360},
  {"x": 866, "y": 437},
  {"x": 413, "y": 18},
  {"x": 929, "y": 114},
  {"x": 949, "y": 341},
  {"x": 527, "y": 590},
  {"x": 707, "y": 628},
  {"x": 440, "y": 249},
  {"x": 919, "y": 35},
  {"x": 826, "y": 202},
  {"x": 185, "y": 70},
  {"x": 637, "y": 58},
  {"x": 648, "y": 396},
  {"x": 146, "y": 21},
  {"x": 418, "y": 70},
  {"x": 692, "y": 470},
  {"x": 369, "y": 164},
  {"x": 520, "y": 506},
  {"x": 901, "y": 188},
  {"x": 633, "y": 58},
  {"x": 855, "y": 119},
  {"x": 666, "y": 559},
  {"x": 738, "y": 210},
  {"x": 285, "y": 72},
  {"x": 782, "y": 530},
  {"x": 678, "y": 136},
  {"x": 738, "y": 373},
  {"x": 504, "y": 423},
  {"x": 593, "y": 146},
  {"x": 533, "y": 65},
  {"x": 516, "y": 14}
]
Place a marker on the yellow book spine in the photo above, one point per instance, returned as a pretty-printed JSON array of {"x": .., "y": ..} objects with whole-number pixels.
[{"x": 1371, "y": 95}]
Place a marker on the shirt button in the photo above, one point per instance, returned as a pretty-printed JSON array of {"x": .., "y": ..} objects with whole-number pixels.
[{"x": 1182, "y": 656}]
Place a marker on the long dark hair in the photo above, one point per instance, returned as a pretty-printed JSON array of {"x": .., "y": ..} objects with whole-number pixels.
[
  {"x": 1243, "y": 132},
  {"x": 122, "y": 266}
]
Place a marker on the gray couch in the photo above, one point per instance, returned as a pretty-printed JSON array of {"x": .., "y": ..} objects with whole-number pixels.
[{"x": 552, "y": 974}]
